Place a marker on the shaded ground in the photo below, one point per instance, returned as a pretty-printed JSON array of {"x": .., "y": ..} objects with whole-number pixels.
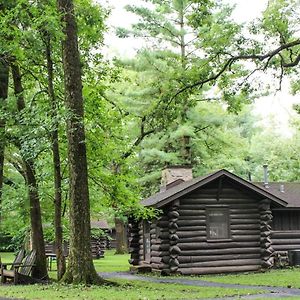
[{"x": 270, "y": 292}]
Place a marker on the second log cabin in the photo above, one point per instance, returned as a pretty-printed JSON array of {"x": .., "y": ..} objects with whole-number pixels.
[{"x": 219, "y": 223}]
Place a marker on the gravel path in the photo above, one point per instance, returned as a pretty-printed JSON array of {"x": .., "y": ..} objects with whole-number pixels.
[{"x": 270, "y": 292}]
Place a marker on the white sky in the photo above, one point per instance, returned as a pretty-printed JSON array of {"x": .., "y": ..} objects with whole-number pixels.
[{"x": 272, "y": 108}]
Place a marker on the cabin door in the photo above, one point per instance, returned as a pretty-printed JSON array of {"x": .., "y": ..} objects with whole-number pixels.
[{"x": 147, "y": 243}]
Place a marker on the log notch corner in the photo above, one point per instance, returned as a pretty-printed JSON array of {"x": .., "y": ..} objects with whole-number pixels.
[
  {"x": 173, "y": 215},
  {"x": 134, "y": 247},
  {"x": 267, "y": 252}
]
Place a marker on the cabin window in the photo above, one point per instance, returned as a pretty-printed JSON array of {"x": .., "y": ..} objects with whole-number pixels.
[
  {"x": 286, "y": 220},
  {"x": 217, "y": 222}
]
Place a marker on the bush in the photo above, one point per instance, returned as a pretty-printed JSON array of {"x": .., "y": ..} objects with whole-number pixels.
[
  {"x": 6, "y": 242},
  {"x": 20, "y": 239}
]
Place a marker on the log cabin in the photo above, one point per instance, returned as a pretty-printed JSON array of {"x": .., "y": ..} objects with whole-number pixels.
[{"x": 218, "y": 223}]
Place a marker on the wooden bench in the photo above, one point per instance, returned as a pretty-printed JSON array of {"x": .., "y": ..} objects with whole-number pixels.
[
  {"x": 51, "y": 255},
  {"x": 19, "y": 273},
  {"x": 18, "y": 259}
]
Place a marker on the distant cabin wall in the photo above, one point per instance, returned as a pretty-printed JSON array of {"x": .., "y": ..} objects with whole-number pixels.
[
  {"x": 159, "y": 255},
  {"x": 240, "y": 251},
  {"x": 139, "y": 231},
  {"x": 141, "y": 241},
  {"x": 286, "y": 230},
  {"x": 134, "y": 238}
]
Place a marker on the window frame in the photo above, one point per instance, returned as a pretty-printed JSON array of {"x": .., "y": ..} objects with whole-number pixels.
[{"x": 225, "y": 211}]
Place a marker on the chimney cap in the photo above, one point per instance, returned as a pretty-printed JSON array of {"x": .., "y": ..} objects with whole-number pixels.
[
  {"x": 187, "y": 166},
  {"x": 175, "y": 175}
]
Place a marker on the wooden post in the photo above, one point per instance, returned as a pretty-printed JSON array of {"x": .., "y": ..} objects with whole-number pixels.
[
  {"x": 265, "y": 234},
  {"x": 174, "y": 249}
]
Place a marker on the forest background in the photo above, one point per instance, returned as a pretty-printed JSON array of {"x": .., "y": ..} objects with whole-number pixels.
[{"x": 185, "y": 98}]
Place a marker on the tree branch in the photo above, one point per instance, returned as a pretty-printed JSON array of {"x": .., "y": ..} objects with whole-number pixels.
[
  {"x": 233, "y": 59},
  {"x": 142, "y": 135}
]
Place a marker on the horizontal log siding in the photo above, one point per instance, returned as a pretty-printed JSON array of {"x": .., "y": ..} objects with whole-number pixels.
[
  {"x": 240, "y": 253},
  {"x": 285, "y": 240}
]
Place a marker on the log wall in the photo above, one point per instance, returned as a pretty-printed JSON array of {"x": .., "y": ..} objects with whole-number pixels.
[
  {"x": 160, "y": 243},
  {"x": 240, "y": 252},
  {"x": 285, "y": 240},
  {"x": 173, "y": 236},
  {"x": 141, "y": 242},
  {"x": 286, "y": 230},
  {"x": 134, "y": 246},
  {"x": 267, "y": 251}
]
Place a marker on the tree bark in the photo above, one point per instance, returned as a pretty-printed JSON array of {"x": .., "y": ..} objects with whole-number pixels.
[
  {"x": 121, "y": 236},
  {"x": 80, "y": 267},
  {"x": 4, "y": 74},
  {"x": 40, "y": 269},
  {"x": 60, "y": 258}
]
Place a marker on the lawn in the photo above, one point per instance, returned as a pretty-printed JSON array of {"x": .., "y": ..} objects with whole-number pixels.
[
  {"x": 126, "y": 289},
  {"x": 118, "y": 263},
  {"x": 112, "y": 262},
  {"x": 7, "y": 256},
  {"x": 283, "y": 278}
]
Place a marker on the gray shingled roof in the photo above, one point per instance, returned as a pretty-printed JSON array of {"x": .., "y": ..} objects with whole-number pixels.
[
  {"x": 291, "y": 193},
  {"x": 162, "y": 198},
  {"x": 100, "y": 224}
]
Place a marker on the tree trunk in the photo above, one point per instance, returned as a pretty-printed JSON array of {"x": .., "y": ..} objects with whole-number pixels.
[
  {"x": 80, "y": 267},
  {"x": 60, "y": 258},
  {"x": 121, "y": 236},
  {"x": 4, "y": 74},
  {"x": 40, "y": 269}
]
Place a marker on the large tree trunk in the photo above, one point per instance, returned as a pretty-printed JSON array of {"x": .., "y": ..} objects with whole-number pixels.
[
  {"x": 4, "y": 74},
  {"x": 60, "y": 258},
  {"x": 121, "y": 236},
  {"x": 40, "y": 269},
  {"x": 80, "y": 266}
]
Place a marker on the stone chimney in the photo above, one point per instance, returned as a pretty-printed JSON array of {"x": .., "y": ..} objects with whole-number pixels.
[{"x": 174, "y": 175}]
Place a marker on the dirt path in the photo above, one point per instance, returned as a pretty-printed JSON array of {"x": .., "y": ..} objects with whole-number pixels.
[{"x": 270, "y": 292}]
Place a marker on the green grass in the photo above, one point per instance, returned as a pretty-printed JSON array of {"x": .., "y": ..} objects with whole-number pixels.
[
  {"x": 282, "y": 278},
  {"x": 7, "y": 256},
  {"x": 112, "y": 262},
  {"x": 129, "y": 290},
  {"x": 126, "y": 289},
  {"x": 117, "y": 263}
]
